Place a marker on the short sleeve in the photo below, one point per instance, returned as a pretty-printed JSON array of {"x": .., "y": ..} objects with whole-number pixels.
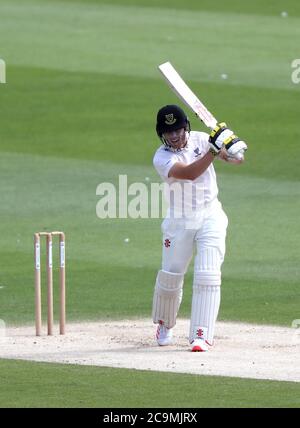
[{"x": 163, "y": 164}]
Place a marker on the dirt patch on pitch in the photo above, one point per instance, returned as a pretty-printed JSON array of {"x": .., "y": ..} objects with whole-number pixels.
[{"x": 241, "y": 350}]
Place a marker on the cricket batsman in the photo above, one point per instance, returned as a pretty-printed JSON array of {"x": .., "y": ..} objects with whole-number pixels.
[{"x": 184, "y": 161}]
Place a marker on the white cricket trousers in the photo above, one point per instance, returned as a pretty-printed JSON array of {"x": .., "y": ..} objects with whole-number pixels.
[{"x": 207, "y": 235}]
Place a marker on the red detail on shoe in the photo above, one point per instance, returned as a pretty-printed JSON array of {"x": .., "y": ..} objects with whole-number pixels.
[
  {"x": 167, "y": 243},
  {"x": 157, "y": 332},
  {"x": 198, "y": 348}
]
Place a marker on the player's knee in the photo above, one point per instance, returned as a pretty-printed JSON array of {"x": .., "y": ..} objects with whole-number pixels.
[
  {"x": 169, "y": 283},
  {"x": 167, "y": 297},
  {"x": 207, "y": 271},
  {"x": 174, "y": 267},
  {"x": 207, "y": 279}
]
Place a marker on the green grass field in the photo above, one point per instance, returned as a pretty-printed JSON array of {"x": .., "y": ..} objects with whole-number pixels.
[
  {"x": 84, "y": 387},
  {"x": 79, "y": 109}
]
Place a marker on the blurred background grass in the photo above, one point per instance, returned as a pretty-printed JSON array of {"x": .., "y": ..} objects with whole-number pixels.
[{"x": 79, "y": 109}]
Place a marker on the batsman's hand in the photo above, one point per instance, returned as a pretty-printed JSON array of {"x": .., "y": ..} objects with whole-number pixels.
[
  {"x": 221, "y": 136},
  {"x": 218, "y": 136},
  {"x": 235, "y": 147}
]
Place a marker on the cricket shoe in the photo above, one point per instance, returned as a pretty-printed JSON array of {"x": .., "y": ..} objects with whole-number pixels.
[
  {"x": 200, "y": 345},
  {"x": 164, "y": 335}
]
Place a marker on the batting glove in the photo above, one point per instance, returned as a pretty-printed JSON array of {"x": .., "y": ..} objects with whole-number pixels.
[
  {"x": 235, "y": 147},
  {"x": 218, "y": 136},
  {"x": 222, "y": 136}
]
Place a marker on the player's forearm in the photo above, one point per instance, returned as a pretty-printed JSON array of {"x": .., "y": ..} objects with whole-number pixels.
[
  {"x": 197, "y": 168},
  {"x": 192, "y": 171}
]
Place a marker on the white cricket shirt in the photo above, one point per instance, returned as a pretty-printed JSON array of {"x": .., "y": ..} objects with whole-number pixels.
[{"x": 197, "y": 146}]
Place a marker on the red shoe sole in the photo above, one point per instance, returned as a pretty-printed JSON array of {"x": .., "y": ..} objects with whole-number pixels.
[{"x": 198, "y": 349}]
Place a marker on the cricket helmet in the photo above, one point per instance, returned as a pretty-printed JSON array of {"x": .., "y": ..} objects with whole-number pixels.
[{"x": 170, "y": 118}]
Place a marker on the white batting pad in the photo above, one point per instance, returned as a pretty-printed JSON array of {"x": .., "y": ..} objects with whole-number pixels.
[
  {"x": 207, "y": 269},
  {"x": 205, "y": 308},
  {"x": 206, "y": 293},
  {"x": 167, "y": 297}
]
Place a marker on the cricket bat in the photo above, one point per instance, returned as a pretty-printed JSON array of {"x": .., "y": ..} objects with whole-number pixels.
[
  {"x": 182, "y": 90},
  {"x": 188, "y": 97}
]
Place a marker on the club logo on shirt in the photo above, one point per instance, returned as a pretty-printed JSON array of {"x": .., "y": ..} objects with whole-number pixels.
[
  {"x": 170, "y": 119},
  {"x": 197, "y": 152}
]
